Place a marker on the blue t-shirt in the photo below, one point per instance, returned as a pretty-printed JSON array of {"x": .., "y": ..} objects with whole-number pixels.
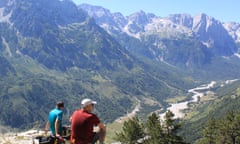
[{"x": 53, "y": 115}]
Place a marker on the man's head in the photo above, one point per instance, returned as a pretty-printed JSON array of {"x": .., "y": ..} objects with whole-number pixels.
[
  {"x": 87, "y": 104},
  {"x": 60, "y": 105}
]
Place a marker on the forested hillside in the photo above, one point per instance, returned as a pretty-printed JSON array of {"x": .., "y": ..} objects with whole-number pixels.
[{"x": 48, "y": 56}]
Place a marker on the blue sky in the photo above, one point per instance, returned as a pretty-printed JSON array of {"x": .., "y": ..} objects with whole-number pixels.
[{"x": 223, "y": 10}]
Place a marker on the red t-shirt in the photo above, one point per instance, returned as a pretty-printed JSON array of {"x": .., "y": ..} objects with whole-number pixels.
[{"x": 82, "y": 126}]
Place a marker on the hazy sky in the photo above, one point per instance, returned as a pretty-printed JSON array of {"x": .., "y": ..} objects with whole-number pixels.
[{"x": 223, "y": 10}]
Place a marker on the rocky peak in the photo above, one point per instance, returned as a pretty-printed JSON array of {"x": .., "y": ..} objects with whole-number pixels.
[
  {"x": 119, "y": 19},
  {"x": 140, "y": 18},
  {"x": 212, "y": 33},
  {"x": 202, "y": 22},
  {"x": 182, "y": 19},
  {"x": 206, "y": 29},
  {"x": 32, "y": 17},
  {"x": 95, "y": 11},
  {"x": 137, "y": 21},
  {"x": 111, "y": 22}
]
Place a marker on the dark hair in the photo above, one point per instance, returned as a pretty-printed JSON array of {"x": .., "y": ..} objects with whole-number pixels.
[{"x": 60, "y": 104}]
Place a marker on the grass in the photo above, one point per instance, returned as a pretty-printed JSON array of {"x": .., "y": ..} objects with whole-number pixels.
[
  {"x": 176, "y": 99},
  {"x": 19, "y": 138}
]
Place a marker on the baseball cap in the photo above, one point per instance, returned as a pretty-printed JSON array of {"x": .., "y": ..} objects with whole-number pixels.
[{"x": 87, "y": 101}]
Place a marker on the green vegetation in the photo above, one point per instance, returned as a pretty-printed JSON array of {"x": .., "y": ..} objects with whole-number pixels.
[
  {"x": 71, "y": 62},
  {"x": 132, "y": 132},
  {"x": 63, "y": 64},
  {"x": 224, "y": 130},
  {"x": 153, "y": 131},
  {"x": 112, "y": 129}
]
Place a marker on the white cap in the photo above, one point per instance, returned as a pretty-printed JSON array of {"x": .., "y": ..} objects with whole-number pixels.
[{"x": 87, "y": 101}]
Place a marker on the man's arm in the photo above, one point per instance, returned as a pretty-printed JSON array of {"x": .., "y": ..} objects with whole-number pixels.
[
  {"x": 102, "y": 126},
  {"x": 103, "y": 129},
  {"x": 57, "y": 124},
  {"x": 46, "y": 127}
]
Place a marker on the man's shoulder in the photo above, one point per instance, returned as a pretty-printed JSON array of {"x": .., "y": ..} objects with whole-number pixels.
[
  {"x": 77, "y": 111},
  {"x": 56, "y": 111},
  {"x": 84, "y": 113}
]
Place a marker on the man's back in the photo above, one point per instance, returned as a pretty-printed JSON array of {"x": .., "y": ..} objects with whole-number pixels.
[
  {"x": 53, "y": 115},
  {"x": 82, "y": 126}
]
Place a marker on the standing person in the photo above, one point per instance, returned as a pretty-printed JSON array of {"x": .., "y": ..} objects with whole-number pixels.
[
  {"x": 55, "y": 120},
  {"x": 83, "y": 122}
]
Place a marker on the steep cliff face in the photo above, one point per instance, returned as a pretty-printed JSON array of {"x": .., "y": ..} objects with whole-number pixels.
[
  {"x": 182, "y": 19},
  {"x": 212, "y": 33}
]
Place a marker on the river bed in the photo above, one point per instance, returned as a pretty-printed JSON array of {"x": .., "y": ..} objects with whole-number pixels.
[{"x": 198, "y": 92}]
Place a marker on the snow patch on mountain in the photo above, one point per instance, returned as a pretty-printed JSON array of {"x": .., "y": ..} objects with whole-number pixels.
[
  {"x": 233, "y": 29},
  {"x": 127, "y": 30},
  {"x": 237, "y": 54},
  {"x": 166, "y": 28},
  {"x": 7, "y": 48},
  {"x": 3, "y": 17}
]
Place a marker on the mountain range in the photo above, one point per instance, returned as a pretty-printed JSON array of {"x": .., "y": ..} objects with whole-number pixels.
[
  {"x": 220, "y": 38},
  {"x": 56, "y": 50}
]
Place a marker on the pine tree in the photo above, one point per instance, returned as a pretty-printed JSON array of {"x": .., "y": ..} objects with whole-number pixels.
[
  {"x": 230, "y": 128},
  {"x": 171, "y": 126},
  {"x": 154, "y": 130},
  {"x": 222, "y": 131},
  {"x": 209, "y": 133},
  {"x": 132, "y": 132}
]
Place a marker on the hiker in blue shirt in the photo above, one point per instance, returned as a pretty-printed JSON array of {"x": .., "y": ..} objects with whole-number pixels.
[{"x": 55, "y": 120}]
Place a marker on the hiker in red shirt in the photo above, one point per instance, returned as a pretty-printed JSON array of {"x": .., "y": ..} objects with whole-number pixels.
[{"x": 83, "y": 122}]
